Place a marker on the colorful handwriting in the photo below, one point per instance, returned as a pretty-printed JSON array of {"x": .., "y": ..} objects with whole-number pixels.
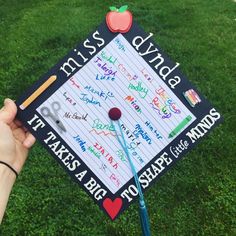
[
  {"x": 137, "y": 156},
  {"x": 108, "y": 58},
  {"x": 129, "y": 134},
  {"x": 168, "y": 101},
  {"x": 80, "y": 142},
  {"x": 92, "y": 150},
  {"x": 97, "y": 124},
  {"x": 103, "y": 77},
  {"x": 149, "y": 125},
  {"x": 139, "y": 131},
  {"x": 103, "y": 167},
  {"x": 132, "y": 146},
  {"x": 141, "y": 90},
  {"x": 70, "y": 100},
  {"x": 102, "y": 133},
  {"x": 120, "y": 45},
  {"x": 89, "y": 100},
  {"x": 121, "y": 155},
  {"x": 146, "y": 75},
  {"x": 164, "y": 110},
  {"x": 75, "y": 116},
  {"x": 74, "y": 83},
  {"x": 126, "y": 73},
  {"x": 115, "y": 180},
  {"x": 100, "y": 93},
  {"x": 161, "y": 110},
  {"x": 105, "y": 154},
  {"x": 107, "y": 70},
  {"x": 132, "y": 101}
]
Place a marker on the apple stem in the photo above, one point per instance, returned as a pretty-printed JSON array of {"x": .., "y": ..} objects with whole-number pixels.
[
  {"x": 112, "y": 8},
  {"x": 121, "y": 9}
]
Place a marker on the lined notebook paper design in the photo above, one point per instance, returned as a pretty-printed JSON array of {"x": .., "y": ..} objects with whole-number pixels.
[{"x": 152, "y": 115}]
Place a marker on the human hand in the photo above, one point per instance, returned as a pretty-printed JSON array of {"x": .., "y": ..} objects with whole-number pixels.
[{"x": 15, "y": 140}]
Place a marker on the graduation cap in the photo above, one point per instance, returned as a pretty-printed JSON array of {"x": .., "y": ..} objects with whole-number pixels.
[{"x": 116, "y": 113}]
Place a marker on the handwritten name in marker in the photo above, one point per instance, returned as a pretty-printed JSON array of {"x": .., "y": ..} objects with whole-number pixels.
[
  {"x": 97, "y": 124},
  {"x": 115, "y": 179},
  {"x": 132, "y": 147},
  {"x": 151, "y": 127},
  {"x": 121, "y": 155},
  {"x": 146, "y": 75},
  {"x": 129, "y": 134},
  {"x": 80, "y": 142},
  {"x": 103, "y": 77},
  {"x": 103, "y": 167},
  {"x": 126, "y": 73},
  {"x": 163, "y": 104},
  {"x": 108, "y": 58},
  {"x": 89, "y": 100},
  {"x": 168, "y": 101},
  {"x": 75, "y": 84},
  {"x": 106, "y": 155},
  {"x": 75, "y": 116},
  {"x": 93, "y": 151},
  {"x": 69, "y": 99},
  {"x": 140, "y": 131},
  {"x": 100, "y": 93},
  {"x": 161, "y": 109},
  {"x": 119, "y": 44},
  {"x": 134, "y": 104},
  {"x": 142, "y": 91},
  {"x": 107, "y": 70}
]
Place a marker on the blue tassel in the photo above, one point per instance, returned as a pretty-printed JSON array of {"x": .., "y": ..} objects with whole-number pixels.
[
  {"x": 142, "y": 207},
  {"x": 144, "y": 218}
]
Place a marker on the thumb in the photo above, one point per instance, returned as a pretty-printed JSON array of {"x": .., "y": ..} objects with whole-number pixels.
[{"x": 8, "y": 112}]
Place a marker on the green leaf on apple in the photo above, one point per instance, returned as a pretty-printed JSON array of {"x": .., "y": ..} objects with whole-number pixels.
[
  {"x": 123, "y": 8},
  {"x": 112, "y": 8}
]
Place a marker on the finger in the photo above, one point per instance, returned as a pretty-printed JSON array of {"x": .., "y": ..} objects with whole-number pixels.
[
  {"x": 29, "y": 141},
  {"x": 8, "y": 113},
  {"x": 15, "y": 124},
  {"x": 18, "y": 123},
  {"x": 19, "y": 134}
]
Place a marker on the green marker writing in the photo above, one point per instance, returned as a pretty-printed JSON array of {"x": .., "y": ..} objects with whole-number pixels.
[{"x": 180, "y": 126}]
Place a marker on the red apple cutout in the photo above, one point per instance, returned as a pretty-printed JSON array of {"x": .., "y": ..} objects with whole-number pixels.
[{"x": 119, "y": 20}]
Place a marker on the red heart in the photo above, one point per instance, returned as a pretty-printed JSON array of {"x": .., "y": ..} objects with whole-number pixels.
[{"x": 112, "y": 207}]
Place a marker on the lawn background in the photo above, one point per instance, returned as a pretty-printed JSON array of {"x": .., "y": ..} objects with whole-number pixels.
[{"x": 198, "y": 195}]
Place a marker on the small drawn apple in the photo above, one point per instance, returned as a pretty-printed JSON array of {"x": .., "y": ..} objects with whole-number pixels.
[{"x": 119, "y": 20}]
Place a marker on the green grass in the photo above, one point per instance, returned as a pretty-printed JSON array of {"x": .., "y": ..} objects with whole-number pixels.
[{"x": 198, "y": 196}]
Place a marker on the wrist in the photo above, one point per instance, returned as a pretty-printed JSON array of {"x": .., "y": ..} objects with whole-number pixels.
[
  {"x": 6, "y": 174},
  {"x": 7, "y": 180}
]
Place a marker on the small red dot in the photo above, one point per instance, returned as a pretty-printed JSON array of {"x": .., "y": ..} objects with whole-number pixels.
[{"x": 114, "y": 113}]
